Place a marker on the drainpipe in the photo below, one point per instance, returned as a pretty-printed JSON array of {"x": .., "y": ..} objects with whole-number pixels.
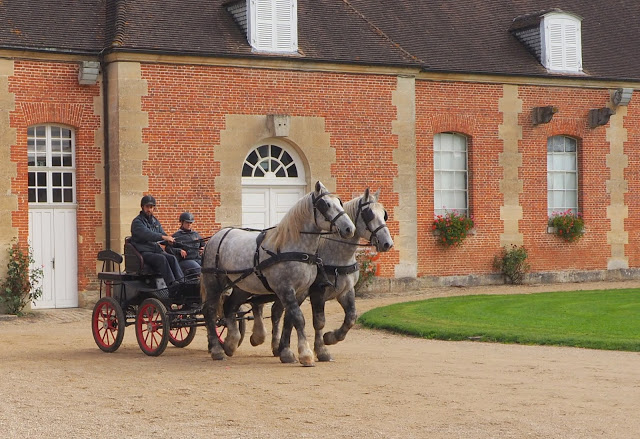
[{"x": 107, "y": 165}]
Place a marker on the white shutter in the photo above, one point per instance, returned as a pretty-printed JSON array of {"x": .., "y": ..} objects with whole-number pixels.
[
  {"x": 562, "y": 44},
  {"x": 555, "y": 45},
  {"x": 273, "y": 25},
  {"x": 572, "y": 46}
]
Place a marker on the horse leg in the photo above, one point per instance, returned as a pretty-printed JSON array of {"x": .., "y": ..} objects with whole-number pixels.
[
  {"x": 231, "y": 306},
  {"x": 286, "y": 354},
  {"x": 294, "y": 313},
  {"x": 316, "y": 296},
  {"x": 259, "y": 332},
  {"x": 348, "y": 302},
  {"x": 210, "y": 294},
  {"x": 276, "y": 315}
]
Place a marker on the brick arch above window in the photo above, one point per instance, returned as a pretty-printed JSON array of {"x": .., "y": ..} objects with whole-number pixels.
[
  {"x": 464, "y": 125},
  {"x": 41, "y": 113},
  {"x": 559, "y": 126}
]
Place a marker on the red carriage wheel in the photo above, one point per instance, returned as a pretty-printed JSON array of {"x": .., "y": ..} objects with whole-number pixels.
[
  {"x": 183, "y": 336},
  {"x": 107, "y": 324},
  {"x": 152, "y": 327}
]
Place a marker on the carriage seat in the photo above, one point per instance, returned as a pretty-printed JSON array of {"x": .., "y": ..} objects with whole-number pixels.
[{"x": 133, "y": 262}]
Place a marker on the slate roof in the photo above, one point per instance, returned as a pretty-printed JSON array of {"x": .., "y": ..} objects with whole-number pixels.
[{"x": 445, "y": 35}]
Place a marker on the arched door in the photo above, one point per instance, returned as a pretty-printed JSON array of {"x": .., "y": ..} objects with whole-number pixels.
[{"x": 273, "y": 181}]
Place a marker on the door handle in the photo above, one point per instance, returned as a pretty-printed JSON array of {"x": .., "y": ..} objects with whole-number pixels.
[{"x": 53, "y": 263}]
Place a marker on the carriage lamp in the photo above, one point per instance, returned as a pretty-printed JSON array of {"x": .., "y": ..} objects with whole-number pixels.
[
  {"x": 599, "y": 116},
  {"x": 541, "y": 115}
]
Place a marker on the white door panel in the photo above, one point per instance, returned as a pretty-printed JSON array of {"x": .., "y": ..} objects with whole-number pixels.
[
  {"x": 254, "y": 207},
  {"x": 53, "y": 238},
  {"x": 282, "y": 200},
  {"x": 264, "y": 207},
  {"x": 41, "y": 241},
  {"x": 66, "y": 259}
]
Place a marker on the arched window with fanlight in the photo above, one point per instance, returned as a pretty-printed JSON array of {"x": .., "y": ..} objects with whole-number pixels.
[
  {"x": 273, "y": 180},
  {"x": 269, "y": 161}
]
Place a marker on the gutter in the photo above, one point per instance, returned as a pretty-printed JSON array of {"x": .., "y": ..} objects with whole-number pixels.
[{"x": 107, "y": 164}]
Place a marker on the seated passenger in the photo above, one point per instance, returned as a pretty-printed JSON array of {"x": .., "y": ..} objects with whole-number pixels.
[
  {"x": 146, "y": 233},
  {"x": 189, "y": 252}
]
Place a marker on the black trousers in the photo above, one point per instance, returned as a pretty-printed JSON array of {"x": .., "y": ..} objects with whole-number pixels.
[
  {"x": 190, "y": 266},
  {"x": 165, "y": 264}
]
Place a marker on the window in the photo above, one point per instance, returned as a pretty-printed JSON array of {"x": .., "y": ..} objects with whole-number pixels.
[
  {"x": 273, "y": 25},
  {"x": 562, "y": 50},
  {"x": 562, "y": 175},
  {"x": 450, "y": 179},
  {"x": 50, "y": 155},
  {"x": 269, "y": 161}
]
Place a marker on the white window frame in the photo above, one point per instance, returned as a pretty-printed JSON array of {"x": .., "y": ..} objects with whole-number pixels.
[
  {"x": 42, "y": 152},
  {"x": 561, "y": 42},
  {"x": 447, "y": 198},
  {"x": 275, "y": 170},
  {"x": 562, "y": 175},
  {"x": 273, "y": 25}
]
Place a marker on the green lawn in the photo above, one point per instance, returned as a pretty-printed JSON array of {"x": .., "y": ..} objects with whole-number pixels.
[{"x": 605, "y": 319}]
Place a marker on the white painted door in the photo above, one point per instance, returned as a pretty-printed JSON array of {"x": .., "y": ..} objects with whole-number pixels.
[
  {"x": 264, "y": 207},
  {"x": 53, "y": 238}
]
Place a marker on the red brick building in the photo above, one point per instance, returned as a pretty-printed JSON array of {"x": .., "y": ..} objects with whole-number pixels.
[{"x": 102, "y": 102}]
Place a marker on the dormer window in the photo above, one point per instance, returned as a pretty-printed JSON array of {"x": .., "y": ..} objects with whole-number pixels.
[
  {"x": 562, "y": 51},
  {"x": 273, "y": 25},
  {"x": 554, "y": 37}
]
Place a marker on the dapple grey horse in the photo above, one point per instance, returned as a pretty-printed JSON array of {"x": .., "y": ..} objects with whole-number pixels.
[
  {"x": 280, "y": 261},
  {"x": 340, "y": 276}
]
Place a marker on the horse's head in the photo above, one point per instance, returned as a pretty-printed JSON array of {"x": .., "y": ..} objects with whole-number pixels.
[
  {"x": 328, "y": 212},
  {"x": 371, "y": 219}
]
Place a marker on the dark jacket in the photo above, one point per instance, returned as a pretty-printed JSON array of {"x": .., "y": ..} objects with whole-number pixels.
[
  {"x": 190, "y": 241},
  {"x": 146, "y": 232}
]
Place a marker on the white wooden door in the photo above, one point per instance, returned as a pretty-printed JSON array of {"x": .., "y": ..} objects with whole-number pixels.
[
  {"x": 53, "y": 238},
  {"x": 264, "y": 207}
]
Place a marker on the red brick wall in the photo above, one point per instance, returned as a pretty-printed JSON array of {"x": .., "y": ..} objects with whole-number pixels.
[
  {"x": 632, "y": 175},
  {"x": 472, "y": 110},
  {"x": 49, "y": 93},
  {"x": 546, "y": 251},
  {"x": 188, "y": 106}
]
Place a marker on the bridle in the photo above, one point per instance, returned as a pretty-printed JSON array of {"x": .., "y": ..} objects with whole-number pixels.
[
  {"x": 368, "y": 216},
  {"x": 323, "y": 207}
]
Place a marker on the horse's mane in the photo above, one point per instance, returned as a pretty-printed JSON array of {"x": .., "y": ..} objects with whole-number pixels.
[
  {"x": 288, "y": 230},
  {"x": 351, "y": 208}
]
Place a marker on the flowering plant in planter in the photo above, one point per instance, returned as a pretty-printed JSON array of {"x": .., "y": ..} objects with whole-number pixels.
[
  {"x": 452, "y": 228},
  {"x": 568, "y": 225}
]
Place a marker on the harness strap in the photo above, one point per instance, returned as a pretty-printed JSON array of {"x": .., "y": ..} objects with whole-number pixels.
[
  {"x": 337, "y": 270},
  {"x": 256, "y": 262},
  {"x": 307, "y": 258}
]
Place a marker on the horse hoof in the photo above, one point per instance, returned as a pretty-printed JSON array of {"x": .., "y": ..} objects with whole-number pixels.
[
  {"x": 217, "y": 356},
  {"x": 307, "y": 362},
  {"x": 256, "y": 341},
  {"x": 287, "y": 356},
  {"x": 329, "y": 338},
  {"x": 325, "y": 357}
]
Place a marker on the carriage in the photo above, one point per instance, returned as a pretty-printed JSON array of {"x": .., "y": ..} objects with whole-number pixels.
[
  {"x": 242, "y": 267},
  {"x": 139, "y": 297}
]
